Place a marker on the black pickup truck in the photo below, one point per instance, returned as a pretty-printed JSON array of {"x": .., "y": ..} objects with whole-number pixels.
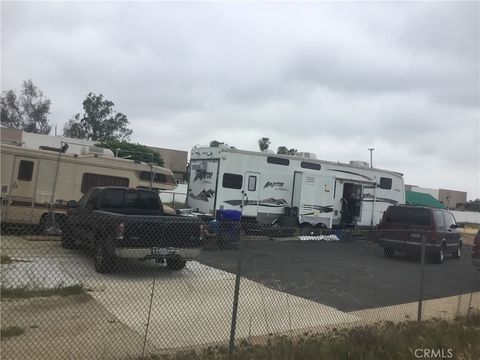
[{"x": 130, "y": 223}]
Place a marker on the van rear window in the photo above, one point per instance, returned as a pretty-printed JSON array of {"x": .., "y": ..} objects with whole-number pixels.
[{"x": 405, "y": 215}]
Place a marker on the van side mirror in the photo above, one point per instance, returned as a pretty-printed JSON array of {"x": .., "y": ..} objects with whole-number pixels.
[
  {"x": 456, "y": 226},
  {"x": 71, "y": 204}
]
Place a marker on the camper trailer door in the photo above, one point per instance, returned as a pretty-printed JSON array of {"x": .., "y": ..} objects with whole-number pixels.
[{"x": 251, "y": 189}]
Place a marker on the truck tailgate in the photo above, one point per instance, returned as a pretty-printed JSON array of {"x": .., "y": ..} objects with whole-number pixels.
[{"x": 161, "y": 231}]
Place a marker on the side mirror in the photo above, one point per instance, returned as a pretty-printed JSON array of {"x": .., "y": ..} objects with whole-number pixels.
[
  {"x": 72, "y": 204},
  {"x": 455, "y": 226}
]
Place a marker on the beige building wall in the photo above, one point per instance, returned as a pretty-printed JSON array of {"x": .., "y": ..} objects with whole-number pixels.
[
  {"x": 9, "y": 135},
  {"x": 451, "y": 198},
  {"x": 175, "y": 160}
]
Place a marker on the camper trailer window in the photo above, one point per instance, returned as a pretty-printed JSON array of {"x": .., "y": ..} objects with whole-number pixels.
[
  {"x": 252, "y": 183},
  {"x": 278, "y": 161},
  {"x": 309, "y": 165},
  {"x": 385, "y": 183},
  {"x": 159, "y": 178},
  {"x": 232, "y": 181},
  {"x": 93, "y": 180},
  {"x": 25, "y": 170}
]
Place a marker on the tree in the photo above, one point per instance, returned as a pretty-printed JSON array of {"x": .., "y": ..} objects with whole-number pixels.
[
  {"x": 132, "y": 151},
  {"x": 28, "y": 112},
  {"x": 263, "y": 143},
  {"x": 283, "y": 150},
  {"x": 100, "y": 122},
  {"x": 11, "y": 115},
  {"x": 215, "y": 143},
  {"x": 473, "y": 205}
]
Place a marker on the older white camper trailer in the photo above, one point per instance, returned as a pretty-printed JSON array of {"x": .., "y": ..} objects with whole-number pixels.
[
  {"x": 39, "y": 182},
  {"x": 270, "y": 188}
]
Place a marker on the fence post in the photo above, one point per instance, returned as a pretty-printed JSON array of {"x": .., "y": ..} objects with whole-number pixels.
[
  {"x": 235, "y": 299},
  {"x": 422, "y": 278}
]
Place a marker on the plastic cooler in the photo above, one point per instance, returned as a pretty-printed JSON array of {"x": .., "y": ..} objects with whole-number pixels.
[{"x": 229, "y": 229}]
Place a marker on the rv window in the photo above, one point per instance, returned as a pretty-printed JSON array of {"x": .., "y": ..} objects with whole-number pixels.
[
  {"x": 385, "y": 183},
  {"x": 93, "y": 180},
  {"x": 25, "y": 170},
  {"x": 309, "y": 165},
  {"x": 278, "y": 161},
  {"x": 112, "y": 199},
  {"x": 252, "y": 183},
  {"x": 232, "y": 181},
  {"x": 159, "y": 178}
]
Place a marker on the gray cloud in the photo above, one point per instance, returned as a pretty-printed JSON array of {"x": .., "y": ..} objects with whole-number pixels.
[{"x": 332, "y": 78}]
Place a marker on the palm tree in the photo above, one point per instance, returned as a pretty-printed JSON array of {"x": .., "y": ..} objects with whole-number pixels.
[{"x": 264, "y": 143}]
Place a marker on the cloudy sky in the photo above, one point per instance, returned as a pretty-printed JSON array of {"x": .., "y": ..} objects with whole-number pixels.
[{"x": 333, "y": 78}]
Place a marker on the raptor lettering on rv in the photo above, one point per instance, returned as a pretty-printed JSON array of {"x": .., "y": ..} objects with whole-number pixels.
[
  {"x": 273, "y": 184},
  {"x": 202, "y": 175}
]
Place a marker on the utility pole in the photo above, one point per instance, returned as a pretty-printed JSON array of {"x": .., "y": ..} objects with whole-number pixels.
[{"x": 371, "y": 151}]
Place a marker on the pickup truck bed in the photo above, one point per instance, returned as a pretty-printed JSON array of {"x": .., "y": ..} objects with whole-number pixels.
[{"x": 131, "y": 231}]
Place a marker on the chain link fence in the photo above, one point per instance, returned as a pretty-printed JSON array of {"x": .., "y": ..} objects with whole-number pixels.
[{"x": 108, "y": 286}]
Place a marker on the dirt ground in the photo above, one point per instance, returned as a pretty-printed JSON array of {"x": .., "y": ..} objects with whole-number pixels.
[{"x": 73, "y": 327}]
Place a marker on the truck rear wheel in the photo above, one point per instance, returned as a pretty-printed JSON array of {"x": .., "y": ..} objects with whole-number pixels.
[
  {"x": 103, "y": 261},
  {"x": 176, "y": 264},
  {"x": 67, "y": 240},
  {"x": 389, "y": 252}
]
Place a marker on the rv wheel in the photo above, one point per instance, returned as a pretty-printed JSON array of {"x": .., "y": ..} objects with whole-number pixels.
[
  {"x": 176, "y": 264},
  {"x": 103, "y": 261}
]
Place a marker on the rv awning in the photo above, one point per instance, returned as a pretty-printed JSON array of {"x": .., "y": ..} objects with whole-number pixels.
[{"x": 422, "y": 199}]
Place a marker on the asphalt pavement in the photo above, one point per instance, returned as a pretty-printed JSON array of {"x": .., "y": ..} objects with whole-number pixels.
[{"x": 346, "y": 275}]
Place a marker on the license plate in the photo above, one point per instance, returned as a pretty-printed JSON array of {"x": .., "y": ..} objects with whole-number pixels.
[
  {"x": 418, "y": 236},
  {"x": 162, "y": 251}
]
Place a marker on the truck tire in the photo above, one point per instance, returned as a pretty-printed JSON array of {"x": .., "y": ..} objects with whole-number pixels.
[
  {"x": 176, "y": 264},
  {"x": 389, "y": 252},
  {"x": 67, "y": 240},
  {"x": 104, "y": 262}
]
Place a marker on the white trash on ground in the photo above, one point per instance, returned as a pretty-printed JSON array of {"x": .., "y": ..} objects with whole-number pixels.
[{"x": 319, "y": 238}]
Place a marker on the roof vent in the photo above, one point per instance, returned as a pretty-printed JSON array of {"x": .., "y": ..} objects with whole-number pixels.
[
  {"x": 308, "y": 155},
  {"x": 359, "y": 163}
]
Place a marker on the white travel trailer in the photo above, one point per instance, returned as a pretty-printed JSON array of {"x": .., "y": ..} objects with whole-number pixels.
[
  {"x": 37, "y": 183},
  {"x": 274, "y": 189}
]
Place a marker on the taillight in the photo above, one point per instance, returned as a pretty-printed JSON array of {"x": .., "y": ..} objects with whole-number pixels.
[
  {"x": 203, "y": 230},
  {"x": 476, "y": 245},
  {"x": 120, "y": 231}
]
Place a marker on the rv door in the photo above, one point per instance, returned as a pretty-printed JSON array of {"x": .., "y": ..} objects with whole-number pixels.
[
  {"x": 251, "y": 190},
  {"x": 21, "y": 199}
]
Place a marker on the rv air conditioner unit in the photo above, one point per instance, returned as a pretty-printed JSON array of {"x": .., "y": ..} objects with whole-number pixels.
[
  {"x": 306, "y": 155},
  {"x": 96, "y": 151},
  {"x": 359, "y": 163}
]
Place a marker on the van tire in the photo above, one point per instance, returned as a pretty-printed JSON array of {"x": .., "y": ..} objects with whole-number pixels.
[
  {"x": 439, "y": 256},
  {"x": 389, "y": 252},
  {"x": 103, "y": 261},
  {"x": 176, "y": 264},
  {"x": 458, "y": 251}
]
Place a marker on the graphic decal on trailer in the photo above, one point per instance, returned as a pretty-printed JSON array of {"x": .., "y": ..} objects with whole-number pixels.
[
  {"x": 271, "y": 202},
  {"x": 322, "y": 209},
  {"x": 204, "y": 195},
  {"x": 370, "y": 198}
]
